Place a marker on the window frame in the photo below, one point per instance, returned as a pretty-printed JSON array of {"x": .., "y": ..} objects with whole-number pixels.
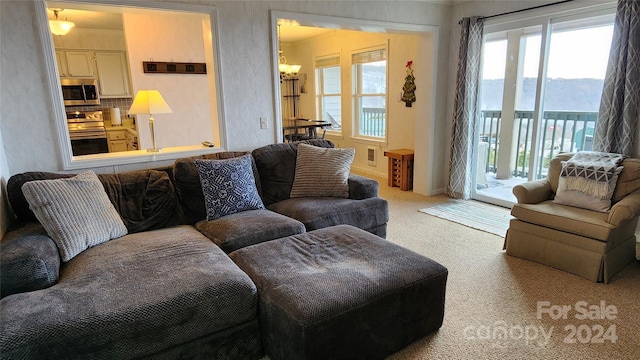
[
  {"x": 321, "y": 63},
  {"x": 376, "y": 53}
]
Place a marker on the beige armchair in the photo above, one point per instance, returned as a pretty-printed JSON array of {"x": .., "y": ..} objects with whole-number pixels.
[{"x": 594, "y": 245}]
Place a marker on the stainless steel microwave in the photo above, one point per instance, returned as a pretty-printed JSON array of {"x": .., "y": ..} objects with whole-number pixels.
[{"x": 80, "y": 91}]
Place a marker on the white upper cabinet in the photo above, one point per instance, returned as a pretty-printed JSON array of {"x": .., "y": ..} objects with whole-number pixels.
[
  {"x": 72, "y": 63},
  {"x": 113, "y": 77}
]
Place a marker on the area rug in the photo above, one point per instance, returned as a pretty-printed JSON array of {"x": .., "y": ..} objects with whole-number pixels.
[{"x": 475, "y": 214}]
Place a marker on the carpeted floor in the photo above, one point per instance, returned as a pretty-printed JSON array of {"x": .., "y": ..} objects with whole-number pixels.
[{"x": 492, "y": 299}]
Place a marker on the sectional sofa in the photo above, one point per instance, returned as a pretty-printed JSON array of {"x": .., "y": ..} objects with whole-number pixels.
[{"x": 169, "y": 287}]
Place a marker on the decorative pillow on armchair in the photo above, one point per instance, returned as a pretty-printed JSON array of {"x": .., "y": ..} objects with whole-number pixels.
[
  {"x": 322, "y": 171},
  {"x": 229, "y": 186},
  {"x": 76, "y": 212},
  {"x": 588, "y": 180}
]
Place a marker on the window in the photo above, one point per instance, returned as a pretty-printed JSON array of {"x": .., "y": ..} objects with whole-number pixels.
[
  {"x": 328, "y": 93},
  {"x": 540, "y": 95},
  {"x": 369, "y": 69}
]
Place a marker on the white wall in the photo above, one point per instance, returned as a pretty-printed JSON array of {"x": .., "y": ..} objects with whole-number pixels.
[
  {"x": 5, "y": 214},
  {"x": 91, "y": 39},
  {"x": 28, "y": 131},
  {"x": 180, "y": 38}
]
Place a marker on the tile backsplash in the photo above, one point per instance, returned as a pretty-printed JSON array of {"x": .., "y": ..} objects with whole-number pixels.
[{"x": 105, "y": 104}]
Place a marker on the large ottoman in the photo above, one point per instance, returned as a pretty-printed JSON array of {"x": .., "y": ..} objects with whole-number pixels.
[{"x": 342, "y": 293}]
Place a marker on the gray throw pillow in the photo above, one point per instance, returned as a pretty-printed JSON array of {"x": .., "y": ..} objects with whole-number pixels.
[
  {"x": 322, "y": 172},
  {"x": 228, "y": 186},
  {"x": 76, "y": 212}
]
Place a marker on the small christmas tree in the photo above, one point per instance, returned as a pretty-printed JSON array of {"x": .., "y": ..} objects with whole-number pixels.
[{"x": 408, "y": 91}]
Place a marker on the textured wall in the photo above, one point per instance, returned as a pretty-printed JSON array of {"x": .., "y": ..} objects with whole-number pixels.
[{"x": 28, "y": 132}]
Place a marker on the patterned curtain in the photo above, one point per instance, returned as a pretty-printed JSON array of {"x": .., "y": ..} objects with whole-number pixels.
[
  {"x": 620, "y": 104},
  {"x": 465, "y": 116}
]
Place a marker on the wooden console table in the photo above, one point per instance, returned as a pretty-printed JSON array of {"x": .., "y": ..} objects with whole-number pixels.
[{"x": 400, "y": 168}]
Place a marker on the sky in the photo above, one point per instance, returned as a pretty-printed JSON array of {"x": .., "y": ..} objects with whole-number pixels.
[{"x": 575, "y": 54}]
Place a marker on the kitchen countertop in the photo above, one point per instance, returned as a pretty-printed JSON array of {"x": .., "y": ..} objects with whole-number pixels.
[{"x": 128, "y": 128}]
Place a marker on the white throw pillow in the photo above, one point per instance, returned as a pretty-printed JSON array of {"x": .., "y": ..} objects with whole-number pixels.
[
  {"x": 322, "y": 172},
  {"x": 571, "y": 195},
  {"x": 76, "y": 212}
]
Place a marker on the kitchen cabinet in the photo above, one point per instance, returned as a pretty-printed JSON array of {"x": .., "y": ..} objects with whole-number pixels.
[
  {"x": 75, "y": 63},
  {"x": 117, "y": 140},
  {"x": 132, "y": 139},
  {"x": 113, "y": 77}
]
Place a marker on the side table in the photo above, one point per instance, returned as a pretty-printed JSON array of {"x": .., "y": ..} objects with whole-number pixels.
[{"x": 400, "y": 168}]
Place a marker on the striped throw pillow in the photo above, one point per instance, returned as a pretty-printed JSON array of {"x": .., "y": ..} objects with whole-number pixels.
[
  {"x": 322, "y": 172},
  {"x": 76, "y": 212}
]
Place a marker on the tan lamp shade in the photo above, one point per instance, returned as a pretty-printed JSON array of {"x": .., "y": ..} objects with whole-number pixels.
[{"x": 149, "y": 102}]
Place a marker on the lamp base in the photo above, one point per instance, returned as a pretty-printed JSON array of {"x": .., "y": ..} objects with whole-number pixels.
[{"x": 154, "y": 150}]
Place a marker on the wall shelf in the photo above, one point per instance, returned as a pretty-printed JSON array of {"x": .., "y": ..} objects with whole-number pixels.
[{"x": 160, "y": 67}]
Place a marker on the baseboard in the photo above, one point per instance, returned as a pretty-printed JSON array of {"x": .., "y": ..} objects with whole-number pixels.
[{"x": 368, "y": 172}]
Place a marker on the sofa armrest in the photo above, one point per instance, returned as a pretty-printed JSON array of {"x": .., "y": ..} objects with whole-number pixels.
[
  {"x": 29, "y": 259},
  {"x": 532, "y": 192},
  {"x": 626, "y": 209},
  {"x": 361, "y": 187}
]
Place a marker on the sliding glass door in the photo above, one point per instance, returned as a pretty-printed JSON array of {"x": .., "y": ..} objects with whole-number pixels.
[{"x": 540, "y": 95}]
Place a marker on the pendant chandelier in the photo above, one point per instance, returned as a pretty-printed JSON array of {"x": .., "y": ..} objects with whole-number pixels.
[
  {"x": 285, "y": 69},
  {"x": 59, "y": 27}
]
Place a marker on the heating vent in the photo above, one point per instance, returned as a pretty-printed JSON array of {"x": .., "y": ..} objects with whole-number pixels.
[{"x": 371, "y": 156}]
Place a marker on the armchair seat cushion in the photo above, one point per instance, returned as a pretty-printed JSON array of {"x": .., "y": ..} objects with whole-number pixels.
[
  {"x": 559, "y": 237},
  {"x": 583, "y": 222}
]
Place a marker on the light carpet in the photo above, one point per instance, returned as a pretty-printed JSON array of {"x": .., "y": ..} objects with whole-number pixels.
[
  {"x": 489, "y": 291},
  {"x": 490, "y": 218}
]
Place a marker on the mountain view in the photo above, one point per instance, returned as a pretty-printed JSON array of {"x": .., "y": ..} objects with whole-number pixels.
[{"x": 560, "y": 94}]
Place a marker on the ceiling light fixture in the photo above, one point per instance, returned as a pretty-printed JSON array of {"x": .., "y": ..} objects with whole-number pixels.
[
  {"x": 284, "y": 68},
  {"x": 60, "y": 27}
]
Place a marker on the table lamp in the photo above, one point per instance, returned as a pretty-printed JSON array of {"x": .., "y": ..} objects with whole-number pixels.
[{"x": 150, "y": 102}]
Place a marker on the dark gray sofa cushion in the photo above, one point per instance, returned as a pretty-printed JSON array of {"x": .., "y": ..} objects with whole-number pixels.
[
  {"x": 361, "y": 187},
  {"x": 17, "y": 200},
  {"x": 145, "y": 199},
  {"x": 238, "y": 230},
  {"x": 189, "y": 187},
  {"x": 276, "y": 165},
  {"x": 342, "y": 293},
  {"x": 29, "y": 259},
  {"x": 128, "y": 298},
  {"x": 320, "y": 212}
]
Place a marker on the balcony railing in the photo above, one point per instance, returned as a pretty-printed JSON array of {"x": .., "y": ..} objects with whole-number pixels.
[
  {"x": 373, "y": 122},
  {"x": 561, "y": 131}
]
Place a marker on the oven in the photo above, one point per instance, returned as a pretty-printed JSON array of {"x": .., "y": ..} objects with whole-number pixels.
[
  {"x": 89, "y": 146},
  {"x": 87, "y": 133}
]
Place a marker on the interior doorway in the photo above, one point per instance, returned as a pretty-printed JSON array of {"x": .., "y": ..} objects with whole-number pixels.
[{"x": 329, "y": 61}]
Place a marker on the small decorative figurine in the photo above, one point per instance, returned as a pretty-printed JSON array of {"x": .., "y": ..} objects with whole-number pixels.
[{"x": 408, "y": 93}]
